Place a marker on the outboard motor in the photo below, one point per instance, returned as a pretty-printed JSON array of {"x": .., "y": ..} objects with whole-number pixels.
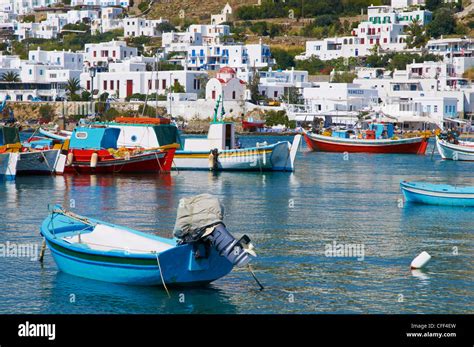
[
  {"x": 199, "y": 220},
  {"x": 239, "y": 253}
]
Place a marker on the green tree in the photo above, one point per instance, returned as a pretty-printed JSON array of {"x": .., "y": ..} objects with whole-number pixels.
[
  {"x": 291, "y": 96},
  {"x": 73, "y": 86},
  {"x": 416, "y": 35},
  {"x": 255, "y": 96},
  {"x": 10, "y": 76},
  {"x": 343, "y": 77},
  {"x": 443, "y": 23},
  {"x": 177, "y": 88}
]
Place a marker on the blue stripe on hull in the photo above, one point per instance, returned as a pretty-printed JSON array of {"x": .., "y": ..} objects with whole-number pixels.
[{"x": 7, "y": 177}]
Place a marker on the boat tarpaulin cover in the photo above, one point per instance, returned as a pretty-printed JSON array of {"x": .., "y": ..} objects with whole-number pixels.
[
  {"x": 196, "y": 213},
  {"x": 167, "y": 134},
  {"x": 9, "y": 135}
]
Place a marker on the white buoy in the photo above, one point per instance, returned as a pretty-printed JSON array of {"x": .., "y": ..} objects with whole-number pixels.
[
  {"x": 70, "y": 159},
  {"x": 421, "y": 260},
  {"x": 94, "y": 159}
]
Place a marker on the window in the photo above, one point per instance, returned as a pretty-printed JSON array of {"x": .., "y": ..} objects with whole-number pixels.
[
  {"x": 275, "y": 94},
  {"x": 111, "y": 85},
  {"x": 88, "y": 85},
  {"x": 435, "y": 108},
  {"x": 94, "y": 54},
  {"x": 163, "y": 84},
  {"x": 105, "y": 85},
  {"x": 233, "y": 94}
]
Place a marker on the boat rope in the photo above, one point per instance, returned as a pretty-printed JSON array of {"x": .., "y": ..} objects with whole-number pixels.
[
  {"x": 175, "y": 166},
  {"x": 51, "y": 170},
  {"x": 43, "y": 249},
  {"x": 161, "y": 274},
  {"x": 74, "y": 216},
  {"x": 159, "y": 164},
  {"x": 255, "y": 277}
]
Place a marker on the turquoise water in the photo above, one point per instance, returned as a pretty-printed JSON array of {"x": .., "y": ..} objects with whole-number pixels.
[{"x": 289, "y": 217}]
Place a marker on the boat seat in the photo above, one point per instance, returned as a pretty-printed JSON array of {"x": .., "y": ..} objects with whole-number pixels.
[{"x": 107, "y": 238}]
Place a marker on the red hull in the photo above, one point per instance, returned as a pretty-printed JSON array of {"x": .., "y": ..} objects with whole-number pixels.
[
  {"x": 418, "y": 147},
  {"x": 156, "y": 162}
]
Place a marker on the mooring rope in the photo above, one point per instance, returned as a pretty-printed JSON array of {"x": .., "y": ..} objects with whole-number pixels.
[{"x": 161, "y": 275}]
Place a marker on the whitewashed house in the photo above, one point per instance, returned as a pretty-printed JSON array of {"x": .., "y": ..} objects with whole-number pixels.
[
  {"x": 134, "y": 27},
  {"x": 122, "y": 82},
  {"x": 105, "y": 52},
  {"x": 110, "y": 19},
  {"x": 275, "y": 84},
  {"x": 101, "y": 3},
  {"x": 237, "y": 56},
  {"x": 385, "y": 28},
  {"x": 224, "y": 16},
  {"x": 195, "y": 35}
]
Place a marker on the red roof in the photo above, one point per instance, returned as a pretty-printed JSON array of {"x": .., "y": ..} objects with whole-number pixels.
[{"x": 227, "y": 69}]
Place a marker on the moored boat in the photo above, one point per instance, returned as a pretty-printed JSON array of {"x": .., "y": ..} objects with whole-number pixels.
[
  {"x": 94, "y": 150},
  {"x": 31, "y": 160},
  {"x": 201, "y": 252},
  {"x": 218, "y": 151},
  {"x": 437, "y": 194},
  {"x": 455, "y": 149},
  {"x": 371, "y": 142}
]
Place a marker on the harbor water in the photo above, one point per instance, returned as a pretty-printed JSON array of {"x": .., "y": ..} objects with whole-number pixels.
[{"x": 331, "y": 202}]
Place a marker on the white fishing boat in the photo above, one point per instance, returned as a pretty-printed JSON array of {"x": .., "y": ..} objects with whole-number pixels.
[
  {"x": 218, "y": 151},
  {"x": 458, "y": 150},
  {"x": 37, "y": 162}
]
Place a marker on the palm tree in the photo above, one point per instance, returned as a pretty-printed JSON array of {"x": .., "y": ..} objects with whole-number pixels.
[
  {"x": 417, "y": 36},
  {"x": 10, "y": 76},
  {"x": 73, "y": 85}
]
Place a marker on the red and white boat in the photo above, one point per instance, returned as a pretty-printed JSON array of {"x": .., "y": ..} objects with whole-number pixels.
[
  {"x": 93, "y": 150},
  {"x": 341, "y": 141}
]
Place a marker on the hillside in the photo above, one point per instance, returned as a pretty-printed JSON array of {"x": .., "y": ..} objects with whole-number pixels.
[{"x": 194, "y": 10}]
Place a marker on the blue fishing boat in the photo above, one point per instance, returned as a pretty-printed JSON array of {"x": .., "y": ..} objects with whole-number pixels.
[
  {"x": 437, "y": 194},
  {"x": 98, "y": 250}
]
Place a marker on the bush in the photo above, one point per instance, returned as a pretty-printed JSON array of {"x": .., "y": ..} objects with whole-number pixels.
[{"x": 46, "y": 113}]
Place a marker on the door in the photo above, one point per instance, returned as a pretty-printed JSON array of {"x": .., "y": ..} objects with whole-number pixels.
[{"x": 129, "y": 87}]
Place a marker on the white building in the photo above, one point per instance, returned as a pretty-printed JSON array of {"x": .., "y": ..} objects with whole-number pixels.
[
  {"x": 110, "y": 19},
  {"x": 65, "y": 59},
  {"x": 47, "y": 29},
  {"x": 134, "y": 27},
  {"x": 122, "y": 84},
  {"x": 105, "y": 52},
  {"x": 275, "y": 84},
  {"x": 237, "y": 56},
  {"x": 227, "y": 85},
  {"x": 224, "y": 16},
  {"x": 79, "y": 16},
  {"x": 385, "y": 27},
  {"x": 195, "y": 35},
  {"x": 452, "y": 47},
  {"x": 22, "y": 7},
  {"x": 421, "y": 90},
  {"x": 101, "y": 3},
  {"x": 406, "y": 3}
]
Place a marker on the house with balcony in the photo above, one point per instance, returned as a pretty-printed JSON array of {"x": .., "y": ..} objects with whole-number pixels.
[{"x": 384, "y": 28}]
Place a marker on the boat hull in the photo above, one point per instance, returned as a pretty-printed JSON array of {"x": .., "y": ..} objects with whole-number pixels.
[
  {"x": 424, "y": 195},
  {"x": 451, "y": 151},
  {"x": 8, "y": 164},
  {"x": 275, "y": 157},
  {"x": 323, "y": 143},
  {"x": 38, "y": 162},
  {"x": 148, "y": 162}
]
